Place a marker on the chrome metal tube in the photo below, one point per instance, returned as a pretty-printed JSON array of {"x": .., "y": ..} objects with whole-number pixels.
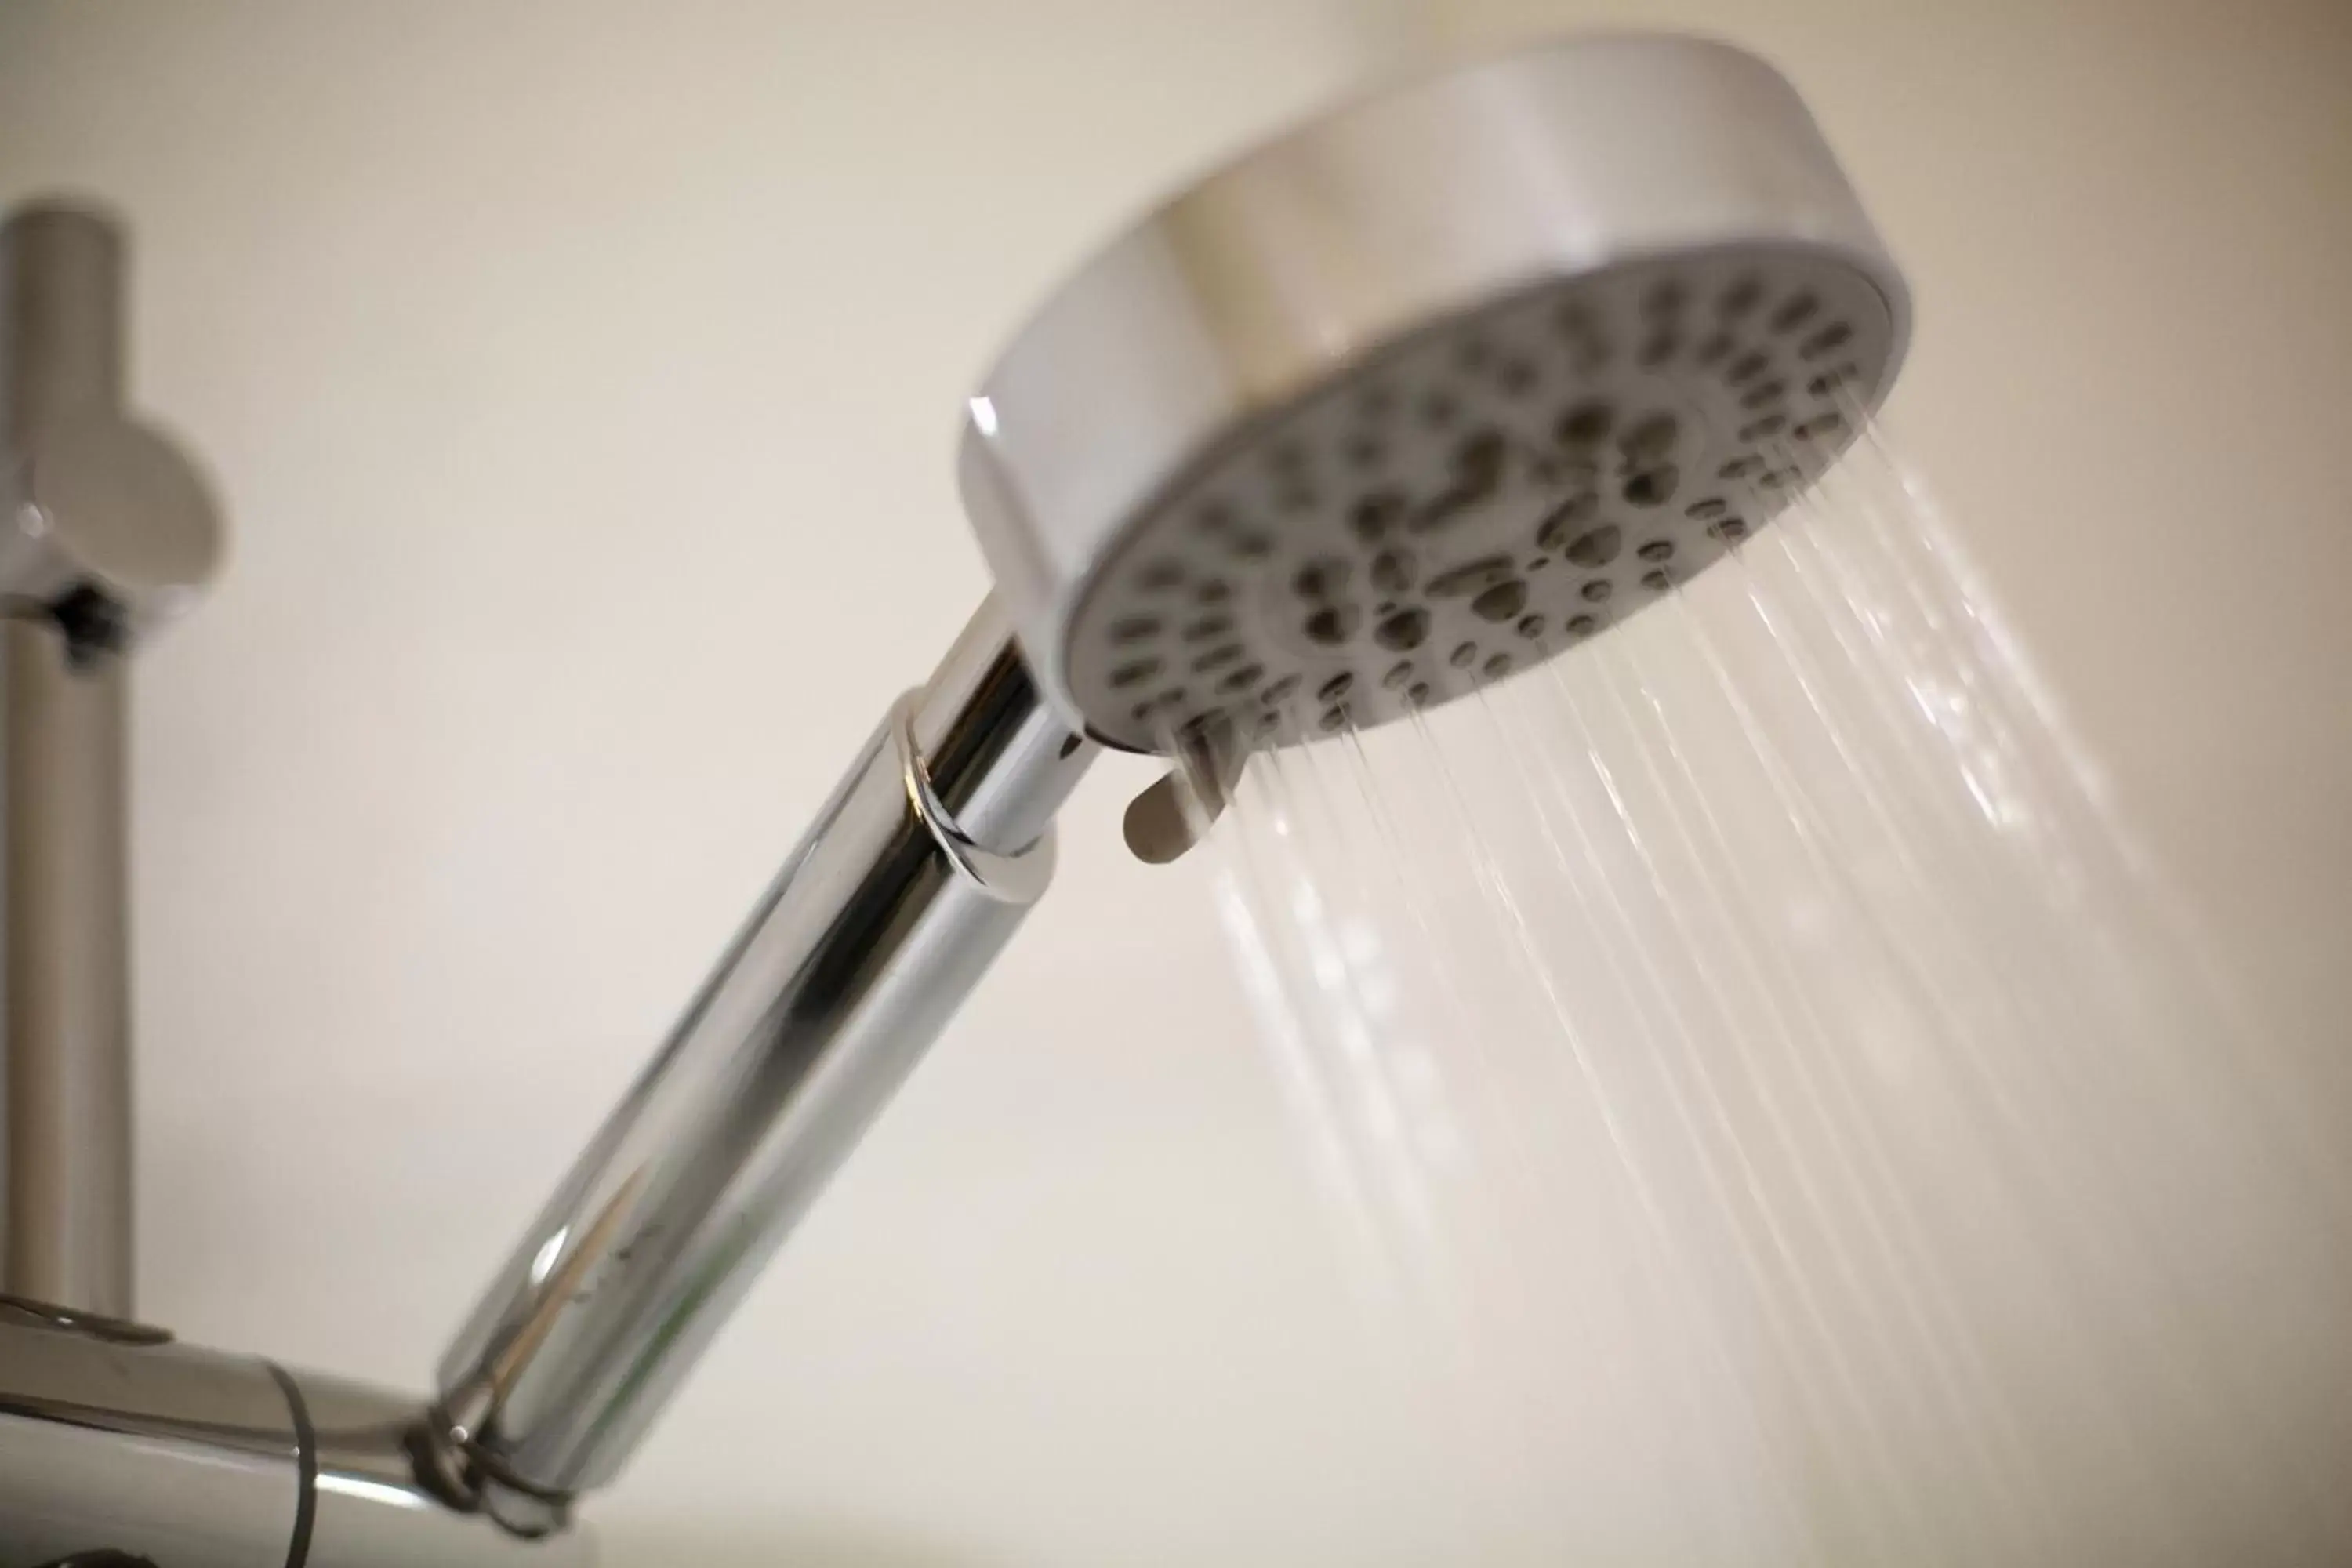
[
  {"x": 112, "y": 1439},
  {"x": 118, "y": 1445},
  {"x": 62, "y": 325},
  {"x": 916, "y": 873},
  {"x": 66, "y": 982}
]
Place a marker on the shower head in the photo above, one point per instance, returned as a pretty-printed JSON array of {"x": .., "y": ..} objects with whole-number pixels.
[
  {"x": 1405, "y": 400},
  {"x": 1427, "y": 391}
]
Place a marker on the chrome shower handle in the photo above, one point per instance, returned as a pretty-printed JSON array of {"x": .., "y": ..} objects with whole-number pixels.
[{"x": 915, "y": 875}]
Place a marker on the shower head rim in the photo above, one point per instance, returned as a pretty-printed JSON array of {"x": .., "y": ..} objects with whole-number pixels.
[{"x": 1297, "y": 263}]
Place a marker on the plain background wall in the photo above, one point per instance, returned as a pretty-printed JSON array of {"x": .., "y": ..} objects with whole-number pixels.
[{"x": 580, "y": 381}]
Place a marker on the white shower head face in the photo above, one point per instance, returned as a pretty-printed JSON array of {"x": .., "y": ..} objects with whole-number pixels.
[{"x": 1428, "y": 392}]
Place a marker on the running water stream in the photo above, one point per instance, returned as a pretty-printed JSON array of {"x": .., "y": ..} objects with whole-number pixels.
[{"x": 1758, "y": 1078}]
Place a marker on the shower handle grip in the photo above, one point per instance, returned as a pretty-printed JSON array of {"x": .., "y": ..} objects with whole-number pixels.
[{"x": 914, "y": 876}]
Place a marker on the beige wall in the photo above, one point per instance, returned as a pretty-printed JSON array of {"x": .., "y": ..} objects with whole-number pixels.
[
  {"x": 580, "y": 380},
  {"x": 2127, "y": 225}
]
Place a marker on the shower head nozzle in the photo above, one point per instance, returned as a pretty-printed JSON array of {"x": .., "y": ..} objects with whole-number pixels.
[{"x": 1427, "y": 391}]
